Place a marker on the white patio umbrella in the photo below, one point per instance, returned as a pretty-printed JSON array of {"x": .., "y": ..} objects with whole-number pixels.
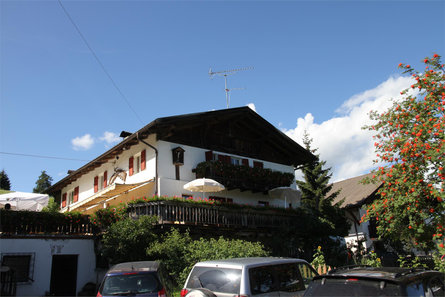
[
  {"x": 288, "y": 193},
  {"x": 204, "y": 185}
]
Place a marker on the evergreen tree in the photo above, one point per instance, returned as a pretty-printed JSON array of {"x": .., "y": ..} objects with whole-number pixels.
[
  {"x": 314, "y": 189},
  {"x": 5, "y": 184},
  {"x": 43, "y": 183}
]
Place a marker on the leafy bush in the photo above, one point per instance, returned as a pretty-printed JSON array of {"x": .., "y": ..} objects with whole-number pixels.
[
  {"x": 179, "y": 252},
  {"x": 127, "y": 239},
  {"x": 221, "y": 248},
  {"x": 171, "y": 249}
]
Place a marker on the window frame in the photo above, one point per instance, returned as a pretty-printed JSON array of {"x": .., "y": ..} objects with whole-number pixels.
[
  {"x": 31, "y": 264},
  {"x": 70, "y": 197}
]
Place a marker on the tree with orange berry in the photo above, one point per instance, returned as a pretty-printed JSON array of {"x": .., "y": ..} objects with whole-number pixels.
[{"x": 410, "y": 147}]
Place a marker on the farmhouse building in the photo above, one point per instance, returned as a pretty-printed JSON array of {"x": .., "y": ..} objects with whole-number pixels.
[{"x": 159, "y": 159}]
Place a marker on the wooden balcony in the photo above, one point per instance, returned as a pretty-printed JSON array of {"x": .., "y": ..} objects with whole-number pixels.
[
  {"x": 243, "y": 177},
  {"x": 14, "y": 223},
  {"x": 188, "y": 214}
]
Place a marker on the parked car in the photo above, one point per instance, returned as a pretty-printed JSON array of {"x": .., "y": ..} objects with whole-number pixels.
[
  {"x": 144, "y": 278},
  {"x": 261, "y": 276},
  {"x": 382, "y": 281}
]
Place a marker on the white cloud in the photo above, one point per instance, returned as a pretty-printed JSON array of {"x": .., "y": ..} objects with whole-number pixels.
[
  {"x": 341, "y": 142},
  {"x": 110, "y": 137},
  {"x": 83, "y": 142},
  {"x": 252, "y": 106}
]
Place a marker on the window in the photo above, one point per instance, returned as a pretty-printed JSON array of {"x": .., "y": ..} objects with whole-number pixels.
[
  {"x": 221, "y": 199},
  {"x": 436, "y": 287},
  {"x": 235, "y": 161},
  {"x": 262, "y": 280},
  {"x": 22, "y": 264},
  {"x": 289, "y": 278},
  {"x": 307, "y": 273},
  {"x": 137, "y": 165},
  {"x": 102, "y": 181},
  {"x": 70, "y": 197},
  {"x": 263, "y": 203}
]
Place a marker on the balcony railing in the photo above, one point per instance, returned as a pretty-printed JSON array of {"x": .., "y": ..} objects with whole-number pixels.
[
  {"x": 171, "y": 212},
  {"x": 41, "y": 223},
  {"x": 243, "y": 177}
]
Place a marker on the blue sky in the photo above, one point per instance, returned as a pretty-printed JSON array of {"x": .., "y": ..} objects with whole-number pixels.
[{"x": 317, "y": 65}]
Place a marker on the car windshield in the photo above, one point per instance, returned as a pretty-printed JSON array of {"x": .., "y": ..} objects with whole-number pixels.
[
  {"x": 216, "y": 279},
  {"x": 351, "y": 287},
  {"x": 130, "y": 284}
]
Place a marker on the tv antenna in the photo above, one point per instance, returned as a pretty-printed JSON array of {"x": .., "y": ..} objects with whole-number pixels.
[{"x": 226, "y": 73}]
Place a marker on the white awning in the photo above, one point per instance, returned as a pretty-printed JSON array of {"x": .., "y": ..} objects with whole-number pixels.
[{"x": 112, "y": 195}]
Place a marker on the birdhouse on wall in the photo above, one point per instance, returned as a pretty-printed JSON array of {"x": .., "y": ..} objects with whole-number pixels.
[{"x": 178, "y": 156}]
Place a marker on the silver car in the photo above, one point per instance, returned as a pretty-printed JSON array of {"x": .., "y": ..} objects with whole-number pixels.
[{"x": 245, "y": 277}]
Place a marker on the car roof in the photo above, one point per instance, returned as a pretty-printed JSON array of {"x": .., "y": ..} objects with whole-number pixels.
[
  {"x": 248, "y": 262},
  {"x": 394, "y": 274},
  {"x": 134, "y": 267}
]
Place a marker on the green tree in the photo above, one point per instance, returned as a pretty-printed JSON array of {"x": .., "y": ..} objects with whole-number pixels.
[
  {"x": 127, "y": 240},
  {"x": 43, "y": 182},
  {"x": 409, "y": 145},
  {"x": 52, "y": 206},
  {"x": 315, "y": 188},
  {"x": 5, "y": 184}
]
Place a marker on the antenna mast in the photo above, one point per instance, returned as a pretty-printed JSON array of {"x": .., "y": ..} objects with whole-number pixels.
[{"x": 226, "y": 73}]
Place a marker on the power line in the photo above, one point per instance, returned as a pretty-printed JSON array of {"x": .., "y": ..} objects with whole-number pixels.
[
  {"x": 44, "y": 157},
  {"x": 99, "y": 62}
]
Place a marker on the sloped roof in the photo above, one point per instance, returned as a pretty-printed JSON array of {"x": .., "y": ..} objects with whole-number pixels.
[
  {"x": 354, "y": 192},
  {"x": 238, "y": 131}
]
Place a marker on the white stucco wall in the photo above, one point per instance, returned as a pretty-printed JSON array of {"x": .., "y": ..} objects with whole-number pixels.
[
  {"x": 86, "y": 182},
  {"x": 169, "y": 186},
  {"x": 44, "y": 249}
]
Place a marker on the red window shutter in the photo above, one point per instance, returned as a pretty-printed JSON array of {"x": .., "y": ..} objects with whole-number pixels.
[
  {"x": 105, "y": 179},
  {"x": 209, "y": 156},
  {"x": 229, "y": 200},
  {"x": 130, "y": 166},
  {"x": 227, "y": 159},
  {"x": 245, "y": 162},
  {"x": 143, "y": 160},
  {"x": 76, "y": 194},
  {"x": 221, "y": 158},
  {"x": 257, "y": 164},
  {"x": 64, "y": 200},
  {"x": 96, "y": 184}
]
